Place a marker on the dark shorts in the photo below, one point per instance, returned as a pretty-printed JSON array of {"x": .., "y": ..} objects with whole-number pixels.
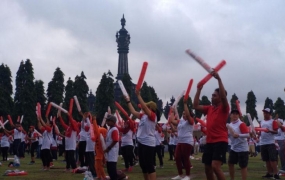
[
  {"x": 238, "y": 157},
  {"x": 268, "y": 152},
  {"x": 215, "y": 151}
]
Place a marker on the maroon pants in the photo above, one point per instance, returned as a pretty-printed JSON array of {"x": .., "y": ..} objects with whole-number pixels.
[{"x": 182, "y": 155}]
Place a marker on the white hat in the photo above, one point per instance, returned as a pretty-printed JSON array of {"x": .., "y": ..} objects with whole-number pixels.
[{"x": 266, "y": 110}]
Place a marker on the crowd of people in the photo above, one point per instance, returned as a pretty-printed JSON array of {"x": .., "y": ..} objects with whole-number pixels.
[{"x": 86, "y": 145}]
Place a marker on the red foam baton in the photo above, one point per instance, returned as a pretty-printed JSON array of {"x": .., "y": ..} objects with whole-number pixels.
[
  {"x": 10, "y": 120},
  {"x": 39, "y": 110},
  {"x": 261, "y": 129},
  {"x": 48, "y": 109},
  {"x": 188, "y": 90},
  {"x": 199, "y": 60},
  {"x": 121, "y": 109},
  {"x": 70, "y": 106},
  {"x": 141, "y": 78},
  {"x": 1, "y": 119},
  {"x": 18, "y": 120},
  {"x": 209, "y": 76},
  {"x": 238, "y": 107}
]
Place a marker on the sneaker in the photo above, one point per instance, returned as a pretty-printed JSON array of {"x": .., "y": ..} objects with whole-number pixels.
[
  {"x": 161, "y": 166},
  {"x": 51, "y": 164},
  {"x": 282, "y": 171},
  {"x": 268, "y": 176},
  {"x": 186, "y": 178},
  {"x": 177, "y": 177},
  {"x": 276, "y": 176}
]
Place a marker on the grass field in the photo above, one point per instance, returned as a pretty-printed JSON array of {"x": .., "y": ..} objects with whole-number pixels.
[{"x": 256, "y": 169}]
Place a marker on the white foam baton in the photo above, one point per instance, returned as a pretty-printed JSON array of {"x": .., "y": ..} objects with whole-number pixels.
[
  {"x": 104, "y": 119},
  {"x": 251, "y": 123},
  {"x": 38, "y": 132},
  {"x": 124, "y": 91},
  {"x": 22, "y": 117},
  {"x": 109, "y": 110},
  {"x": 58, "y": 107},
  {"x": 103, "y": 144},
  {"x": 59, "y": 111},
  {"x": 1, "y": 125},
  {"x": 178, "y": 99},
  {"x": 232, "y": 132},
  {"x": 200, "y": 61},
  {"x": 77, "y": 103}
]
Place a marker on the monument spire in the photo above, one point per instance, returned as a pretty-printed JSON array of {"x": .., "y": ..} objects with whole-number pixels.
[{"x": 123, "y": 41}]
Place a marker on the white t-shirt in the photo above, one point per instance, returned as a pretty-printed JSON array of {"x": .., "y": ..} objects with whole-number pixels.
[
  {"x": 112, "y": 155},
  {"x": 5, "y": 141},
  {"x": 238, "y": 144},
  {"x": 70, "y": 142},
  {"x": 267, "y": 138},
  {"x": 17, "y": 134},
  {"x": 146, "y": 129},
  {"x": 185, "y": 132},
  {"x": 127, "y": 139},
  {"x": 83, "y": 134},
  {"x": 46, "y": 140}
]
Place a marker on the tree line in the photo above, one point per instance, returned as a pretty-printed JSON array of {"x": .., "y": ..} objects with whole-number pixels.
[{"x": 29, "y": 91}]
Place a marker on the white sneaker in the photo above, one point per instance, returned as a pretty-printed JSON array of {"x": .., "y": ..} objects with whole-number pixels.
[
  {"x": 177, "y": 177},
  {"x": 186, "y": 178}
]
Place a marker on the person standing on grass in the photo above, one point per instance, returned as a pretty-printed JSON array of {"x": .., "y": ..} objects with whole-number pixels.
[
  {"x": 33, "y": 138},
  {"x": 158, "y": 146},
  {"x": 185, "y": 142},
  {"x": 145, "y": 134},
  {"x": 71, "y": 131},
  {"x": 127, "y": 145},
  {"x": 280, "y": 139},
  {"x": 267, "y": 144},
  {"x": 217, "y": 134},
  {"x": 112, "y": 146},
  {"x": 239, "y": 145},
  {"x": 45, "y": 149},
  {"x": 4, "y": 145}
]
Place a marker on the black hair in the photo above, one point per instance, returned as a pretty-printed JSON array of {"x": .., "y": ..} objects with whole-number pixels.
[{"x": 218, "y": 91}]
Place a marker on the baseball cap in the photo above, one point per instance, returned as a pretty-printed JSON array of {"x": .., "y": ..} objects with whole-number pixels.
[{"x": 267, "y": 110}]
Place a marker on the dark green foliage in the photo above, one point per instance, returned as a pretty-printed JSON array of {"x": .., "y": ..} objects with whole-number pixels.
[
  {"x": 104, "y": 96},
  {"x": 233, "y": 101},
  {"x": 268, "y": 104},
  {"x": 279, "y": 108},
  {"x": 55, "y": 89},
  {"x": 6, "y": 90},
  {"x": 251, "y": 105},
  {"x": 25, "y": 95},
  {"x": 180, "y": 106},
  {"x": 80, "y": 89},
  {"x": 40, "y": 94}
]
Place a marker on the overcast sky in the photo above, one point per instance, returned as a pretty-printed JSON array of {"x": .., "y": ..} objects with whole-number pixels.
[{"x": 80, "y": 36}]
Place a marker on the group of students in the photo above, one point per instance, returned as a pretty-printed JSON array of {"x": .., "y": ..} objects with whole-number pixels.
[{"x": 98, "y": 146}]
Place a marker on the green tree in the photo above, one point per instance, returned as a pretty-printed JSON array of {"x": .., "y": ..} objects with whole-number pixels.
[
  {"x": 279, "y": 108},
  {"x": 55, "y": 89},
  {"x": 6, "y": 90},
  {"x": 25, "y": 96},
  {"x": 268, "y": 104},
  {"x": 251, "y": 105},
  {"x": 40, "y": 94},
  {"x": 104, "y": 96},
  {"x": 233, "y": 101},
  {"x": 145, "y": 93},
  {"x": 180, "y": 106},
  {"x": 81, "y": 90}
]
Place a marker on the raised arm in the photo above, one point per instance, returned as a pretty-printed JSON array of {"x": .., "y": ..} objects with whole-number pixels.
[
  {"x": 146, "y": 110},
  {"x": 222, "y": 91},
  {"x": 131, "y": 108},
  {"x": 62, "y": 123},
  {"x": 187, "y": 113},
  {"x": 196, "y": 105}
]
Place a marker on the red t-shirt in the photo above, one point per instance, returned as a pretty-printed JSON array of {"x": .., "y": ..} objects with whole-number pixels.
[{"x": 216, "y": 123}]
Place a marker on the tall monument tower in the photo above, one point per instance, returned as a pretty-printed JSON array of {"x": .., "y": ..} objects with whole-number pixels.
[{"x": 123, "y": 41}]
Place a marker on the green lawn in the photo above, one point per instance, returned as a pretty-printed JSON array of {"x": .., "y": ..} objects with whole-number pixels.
[{"x": 255, "y": 170}]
